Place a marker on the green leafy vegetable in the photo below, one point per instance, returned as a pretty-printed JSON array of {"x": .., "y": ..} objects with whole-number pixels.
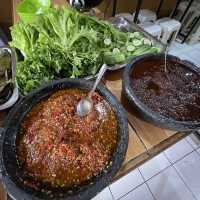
[
  {"x": 24, "y": 38},
  {"x": 64, "y": 43},
  {"x": 28, "y": 10}
]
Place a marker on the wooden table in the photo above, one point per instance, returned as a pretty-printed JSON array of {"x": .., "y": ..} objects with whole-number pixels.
[{"x": 145, "y": 140}]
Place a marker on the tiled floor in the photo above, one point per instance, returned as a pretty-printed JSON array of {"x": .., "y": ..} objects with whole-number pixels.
[
  {"x": 129, "y": 182},
  {"x": 173, "y": 174},
  {"x": 154, "y": 166},
  {"x": 181, "y": 148},
  {"x": 186, "y": 52}
]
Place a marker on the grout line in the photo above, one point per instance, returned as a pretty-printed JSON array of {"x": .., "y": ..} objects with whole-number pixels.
[
  {"x": 198, "y": 138},
  {"x": 167, "y": 158},
  {"x": 111, "y": 193},
  {"x": 190, "y": 143},
  {"x": 179, "y": 174},
  {"x": 157, "y": 173},
  {"x": 147, "y": 184},
  {"x": 130, "y": 191},
  {"x": 141, "y": 174},
  {"x": 184, "y": 182},
  {"x": 172, "y": 163},
  {"x": 145, "y": 181},
  {"x": 150, "y": 190},
  {"x": 198, "y": 152},
  {"x": 142, "y": 183}
]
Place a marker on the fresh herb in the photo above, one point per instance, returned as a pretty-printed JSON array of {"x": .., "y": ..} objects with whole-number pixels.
[
  {"x": 60, "y": 42},
  {"x": 28, "y": 10}
]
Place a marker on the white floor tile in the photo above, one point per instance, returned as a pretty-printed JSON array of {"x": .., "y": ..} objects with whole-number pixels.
[
  {"x": 140, "y": 193},
  {"x": 154, "y": 166},
  {"x": 182, "y": 56},
  {"x": 198, "y": 150},
  {"x": 186, "y": 52},
  {"x": 193, "y": 54},
  {"x": 168, "y": 185},
  {"x": 175, "y": 53},
  {"x": 126, "y": 184},
  {"x": 178, "y": 150},
  {"x": 178, "y": 46},
  {"x": 104, "y": 195},
  {"x": 196, "y": 45},
  {"x": 196, "y": 62},
  {"x": 193, "y": 140},
  {"x": 189, "y": 168}
]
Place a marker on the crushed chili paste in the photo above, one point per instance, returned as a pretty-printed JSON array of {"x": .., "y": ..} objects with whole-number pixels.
[{"x": 57, "y": 147}]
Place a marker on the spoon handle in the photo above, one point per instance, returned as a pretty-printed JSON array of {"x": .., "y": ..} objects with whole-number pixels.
[{"x": 99, "y": 77}]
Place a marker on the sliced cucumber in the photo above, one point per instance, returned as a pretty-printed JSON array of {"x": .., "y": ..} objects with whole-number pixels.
[
  {"x": 130, "y": 48},
  {"x": 147, "y": 41},
  {"x": 136, "y": 34},
  {"x": 116, "y": 50},
  {"x": 137, "y": 43},
  {"x": 107, "y": 41},
  {"x": 131, "y": 35}
]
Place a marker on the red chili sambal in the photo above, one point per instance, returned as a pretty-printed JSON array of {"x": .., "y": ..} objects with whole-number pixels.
[{"x": 58, "y": 147}]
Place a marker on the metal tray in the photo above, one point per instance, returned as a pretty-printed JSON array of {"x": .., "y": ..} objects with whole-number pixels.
[{"x": 128, "y": 26}]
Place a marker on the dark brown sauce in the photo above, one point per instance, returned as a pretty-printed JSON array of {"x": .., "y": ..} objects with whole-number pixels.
[
  {"x": 59, "y": 148},
  {"x": 175, "y": 93}
]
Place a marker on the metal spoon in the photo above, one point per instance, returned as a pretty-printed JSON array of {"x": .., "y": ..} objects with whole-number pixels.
[{"x": 85, "y": 105}]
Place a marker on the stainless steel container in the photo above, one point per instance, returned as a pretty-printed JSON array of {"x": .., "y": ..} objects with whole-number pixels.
[
  {"x": 8, "y": 88},
  {"x": 129, "y": 26}
]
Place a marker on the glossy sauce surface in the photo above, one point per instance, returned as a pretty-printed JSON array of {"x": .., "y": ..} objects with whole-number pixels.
[
  {"x": 58, "y": 147},
  {"x": 173, "y": 93}
]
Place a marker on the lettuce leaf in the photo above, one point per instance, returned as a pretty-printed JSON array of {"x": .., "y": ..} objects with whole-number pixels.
[
  {"x": 64, "y": 43},
  {"x": 24, "y": 38},
  {"x": 28, "y": 10}
]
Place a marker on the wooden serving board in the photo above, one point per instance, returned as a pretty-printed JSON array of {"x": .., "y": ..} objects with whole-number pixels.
[{"x": 145, "y": 140}]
